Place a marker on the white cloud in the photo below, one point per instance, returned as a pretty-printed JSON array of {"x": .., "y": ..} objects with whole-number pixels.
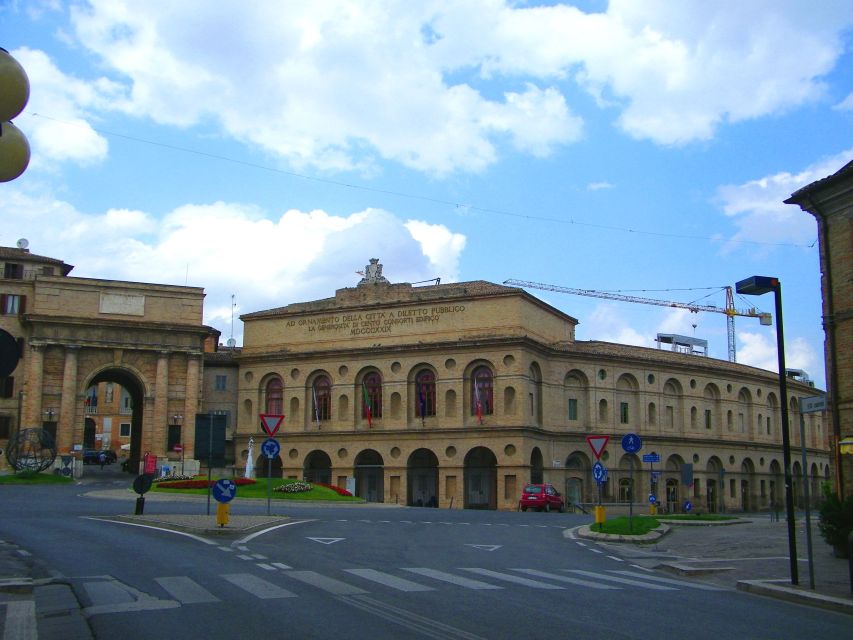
[
  {"x": 846, "y": 104},
  {"x": 341, "y": 85},
  {"x": 298, "y": 256},
  {"x": 758, "y": 210},
  {"x": 598, "y": 186},
  {"x": 61, "y": 106},
  {"x": 759, "y": 350}
]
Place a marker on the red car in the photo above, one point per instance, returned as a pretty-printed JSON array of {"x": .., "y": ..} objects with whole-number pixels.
[{"x": 543, "y": 497}]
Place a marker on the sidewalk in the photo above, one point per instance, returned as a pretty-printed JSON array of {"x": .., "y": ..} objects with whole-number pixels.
[{"x": 751, "y": 555}]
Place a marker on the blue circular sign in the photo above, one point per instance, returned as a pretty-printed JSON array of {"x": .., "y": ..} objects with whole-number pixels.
[
  {"x": 224, "y": 490},
  {"x": 688, "y": 505},
  {"x": 631, "y": 443},
  {"x": 652, "y": 499},
  {"x": 270, "y": 448},
  {"x": 599, "y": 472}
]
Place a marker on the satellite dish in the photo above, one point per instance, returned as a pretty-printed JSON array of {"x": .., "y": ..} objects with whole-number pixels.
[
  {"x": 23, "y": 243},
  {"x": 231, "y": 342}
]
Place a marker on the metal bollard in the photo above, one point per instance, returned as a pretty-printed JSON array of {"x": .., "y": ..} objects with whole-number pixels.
[{"x": 140, "y": 505}]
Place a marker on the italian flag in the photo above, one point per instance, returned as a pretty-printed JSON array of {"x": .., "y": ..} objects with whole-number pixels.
[
  {"x": 367, "y": 410},
  {"x": 479, "y": 404}
]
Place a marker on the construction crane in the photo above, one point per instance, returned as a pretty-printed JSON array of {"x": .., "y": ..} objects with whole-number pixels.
[{"x": 729, "y": 309}]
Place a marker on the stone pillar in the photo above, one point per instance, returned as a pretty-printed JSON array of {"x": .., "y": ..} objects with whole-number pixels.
[
  {"x": 191, "y": 404},
  {"x": 65, "y": 434},
  {"x": 161, "y": 404},
  {"x": 32, "y": 405}
]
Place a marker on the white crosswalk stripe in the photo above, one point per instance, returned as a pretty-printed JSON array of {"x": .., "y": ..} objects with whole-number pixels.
[
  {"x": 680, "y": 583},
  {"x": 335, "y": 587},
  {"x": 258, "y": 587},
  {"x": 401, "y": 584},
  {"x": 468, "y": 583},
  {"x": 185, "y": 590},
  {"x": 578, "y": 581},
  {"x": 527, "y": 582},
  {"x": 635, "y": 583}
]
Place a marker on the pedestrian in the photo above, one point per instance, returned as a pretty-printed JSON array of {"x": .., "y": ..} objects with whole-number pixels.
[{"x": 102, "y": 459}]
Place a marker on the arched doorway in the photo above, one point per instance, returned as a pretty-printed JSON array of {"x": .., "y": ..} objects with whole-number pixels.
[
  {"x": 317, "y": 467},
  {"x": 537, "y": 466},
  {"x": 577, "y": 468},
  {"x": 422, "y": 480},
  {"x": 481, "y": 479},
  {"x": 369, "y": 476},
  {"x": 118, "y": 417}
]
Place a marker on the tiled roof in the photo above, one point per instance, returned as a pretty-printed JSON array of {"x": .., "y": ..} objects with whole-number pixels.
[
  {"x": 844, "y": 172},
  {"x": 23, "y": 255}
]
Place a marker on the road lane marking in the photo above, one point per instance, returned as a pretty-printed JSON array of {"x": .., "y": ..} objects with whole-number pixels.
[
  {"x": 335, "y": 587},
  {"x": 578, "y": 581},
  {"x": 681, "y": 583},
  {"x": 185, "y": 590},
  {"x": 258, "y": 587},
  {"x": 634, "y": 583},
  {"x": 401, "y": 584},
  {"x": 468, "y": 583},
  {"x": 535, "y": 584}
]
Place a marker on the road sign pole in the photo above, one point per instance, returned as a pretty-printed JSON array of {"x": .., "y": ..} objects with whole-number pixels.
[
  {"x": 269, "y": 484},
  {"x": 209, "y": 462},
  {"x": 631, "y": 498}
]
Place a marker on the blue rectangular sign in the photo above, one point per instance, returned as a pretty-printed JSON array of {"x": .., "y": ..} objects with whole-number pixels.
[{"x": 651, "y": 457}]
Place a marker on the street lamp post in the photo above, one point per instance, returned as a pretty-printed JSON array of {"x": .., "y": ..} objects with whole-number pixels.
[{"x": 756, "y": 286}]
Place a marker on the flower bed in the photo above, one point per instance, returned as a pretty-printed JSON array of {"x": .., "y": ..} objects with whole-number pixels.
[
  {"x": 338, "y": 490},
  {"x": 294, "y": 487}
]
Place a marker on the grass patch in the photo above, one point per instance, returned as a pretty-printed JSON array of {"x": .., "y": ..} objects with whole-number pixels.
[
  {"x": 33, "y": 477},
  {"x": 697, "y": 517},
  {"x": 624, "y": 526},
  {"x": 259, "y": 489}
]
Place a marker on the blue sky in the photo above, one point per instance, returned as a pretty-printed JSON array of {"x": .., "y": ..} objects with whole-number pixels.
[{"x": 267, "y": 151}]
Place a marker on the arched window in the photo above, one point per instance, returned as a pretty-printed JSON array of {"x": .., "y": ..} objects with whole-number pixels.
[
  {"x": 371, "y": 404},
  {"x": 425, "y": 393},
  {"x": 275, "y": 392},
  {"x": 321, "y": 399},
  {"x": 482, "y": 398}
]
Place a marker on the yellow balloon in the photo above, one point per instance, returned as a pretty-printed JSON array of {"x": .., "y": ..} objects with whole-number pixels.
[
  {"x": 14, "y": 152},
  {"x": 14, "y": 87}
]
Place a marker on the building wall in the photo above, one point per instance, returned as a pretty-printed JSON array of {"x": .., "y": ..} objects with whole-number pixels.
[
  {"x": 830, "y": 201},
  {"x": 530, "y": 432}
]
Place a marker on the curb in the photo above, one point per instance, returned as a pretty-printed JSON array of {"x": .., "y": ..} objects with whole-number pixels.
[
  {"x": 652, "y": 536},
  {"x": 782, "y": 590}
]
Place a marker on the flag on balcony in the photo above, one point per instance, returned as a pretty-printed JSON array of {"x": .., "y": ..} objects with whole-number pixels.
[
  {"x": 422, "y": 403},
  {"x": 367, "y": 411},
  {"x": 316, "y": 406},
  {"x": 478, "y": 405}
]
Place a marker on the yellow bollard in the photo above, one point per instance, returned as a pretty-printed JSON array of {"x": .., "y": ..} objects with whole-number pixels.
[
  {"x": 653, "y": 509},
  {"x": 222, "y": 514},
  {"x": 599, "y": 515}
]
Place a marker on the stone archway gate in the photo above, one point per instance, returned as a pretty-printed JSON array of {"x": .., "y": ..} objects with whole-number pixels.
[{"x": 81, "y": 330}]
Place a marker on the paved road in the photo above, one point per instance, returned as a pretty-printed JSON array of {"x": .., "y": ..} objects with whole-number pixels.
[{"x": 383, "y": 572}]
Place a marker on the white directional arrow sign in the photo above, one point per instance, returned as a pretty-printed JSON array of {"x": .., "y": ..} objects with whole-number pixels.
[
  {"x": 485, "y": 547},
  {"x": 327, "y": 540}
]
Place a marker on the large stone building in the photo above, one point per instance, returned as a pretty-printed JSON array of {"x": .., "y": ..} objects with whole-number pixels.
[
  {"x": 76, "y": 334},
  {"x": 453, "y": 395},
  {"x": 830, "y": 201},
  {"x": 459, "y": 394}
]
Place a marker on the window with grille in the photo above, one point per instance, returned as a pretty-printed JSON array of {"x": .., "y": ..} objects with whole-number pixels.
[{"x": 573, "y": 408}]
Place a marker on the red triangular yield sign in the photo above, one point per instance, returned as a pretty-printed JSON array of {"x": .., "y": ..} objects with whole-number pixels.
[
  {"x": 270, "y": 422},
  {"x": 597, "y": 444}
]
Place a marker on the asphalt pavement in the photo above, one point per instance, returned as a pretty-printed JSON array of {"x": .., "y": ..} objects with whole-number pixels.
[{"x": 751, "y": 556}]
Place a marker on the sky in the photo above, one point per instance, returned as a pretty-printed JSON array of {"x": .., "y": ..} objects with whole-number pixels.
[{"x": 266, "y": 151}]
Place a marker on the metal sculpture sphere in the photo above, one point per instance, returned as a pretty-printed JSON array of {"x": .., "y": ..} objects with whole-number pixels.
[{"x": 31, "y": 450}]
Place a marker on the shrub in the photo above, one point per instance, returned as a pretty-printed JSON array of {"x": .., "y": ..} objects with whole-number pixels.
[{"x": 836, "y": 519}]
